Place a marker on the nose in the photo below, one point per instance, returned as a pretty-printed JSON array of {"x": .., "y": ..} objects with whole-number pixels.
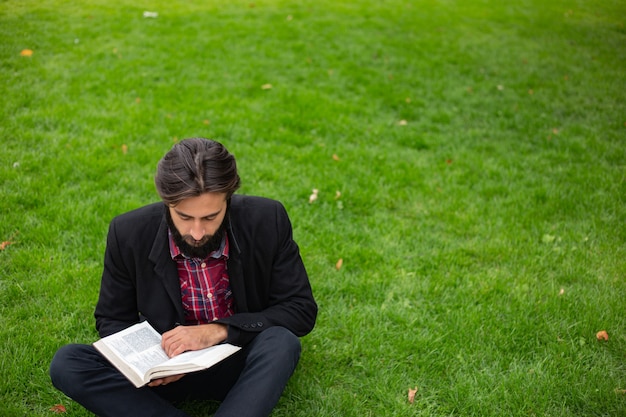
[{"x": 197, "y": 232}]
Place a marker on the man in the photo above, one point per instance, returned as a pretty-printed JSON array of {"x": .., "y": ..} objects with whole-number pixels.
[{"x": 203, "y": 267}]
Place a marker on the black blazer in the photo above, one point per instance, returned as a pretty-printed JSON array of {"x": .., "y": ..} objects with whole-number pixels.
[{"x": 268, "y": 279}]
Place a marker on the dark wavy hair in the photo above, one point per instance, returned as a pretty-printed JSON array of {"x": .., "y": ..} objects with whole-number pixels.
[{"x": 193, "y": 167}]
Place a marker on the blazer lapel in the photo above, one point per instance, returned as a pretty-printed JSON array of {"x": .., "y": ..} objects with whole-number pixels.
[
  {"x": 165, "y": 269},
  {"x": 235, "y": 272}
]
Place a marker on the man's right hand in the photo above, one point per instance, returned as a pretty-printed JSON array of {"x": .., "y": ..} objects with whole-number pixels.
[{"x": 165, "y": 381}]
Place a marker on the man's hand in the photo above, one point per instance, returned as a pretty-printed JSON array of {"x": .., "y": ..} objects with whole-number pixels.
[
  {"x": 166, "y": 380},
  {"x": 184, "y": 338}
]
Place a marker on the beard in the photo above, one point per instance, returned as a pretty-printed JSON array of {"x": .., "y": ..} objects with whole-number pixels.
[{"x": 208, "y": 243}]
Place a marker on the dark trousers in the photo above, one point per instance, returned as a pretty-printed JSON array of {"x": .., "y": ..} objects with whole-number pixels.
[{"x": 249, "y": 383}]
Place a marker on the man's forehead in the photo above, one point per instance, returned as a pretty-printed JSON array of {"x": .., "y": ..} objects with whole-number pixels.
[{"x": 204, "y": 205}]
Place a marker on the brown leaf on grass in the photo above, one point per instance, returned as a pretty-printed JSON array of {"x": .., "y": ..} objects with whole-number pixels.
[
  {"x": 339, "y": 264},
  {"x": 266, "y": 87},
  {"x": 412, "y": 392},
  {"x": 124, "y": 149},
  {"x": 602, "y": 335},
  {"x": 402, "y": 123},
  {"x": 620, "y": 391},
  {"x": 335, "y": 157},
  {"x": 206, "y": 121},
  {"x": 26, "y": 52},
  {"x": 313, "y": 196},
  {"x": 58, "y": 408},
  {"x": 9, "y": 241}
]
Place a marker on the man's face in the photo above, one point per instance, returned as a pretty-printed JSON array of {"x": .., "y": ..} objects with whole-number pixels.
[{"x": 198, "y": 223}]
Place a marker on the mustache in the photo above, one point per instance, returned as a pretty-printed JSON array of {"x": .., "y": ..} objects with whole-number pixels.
[{"x": 192, "y": 241}]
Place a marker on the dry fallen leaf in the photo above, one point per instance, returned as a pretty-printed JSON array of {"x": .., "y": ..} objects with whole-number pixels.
[
  {"x": 313, "y": 196},
  {"x": 206, "y": 122},
  {"x": 620, "y": 391},
  {"x": 338, "y": 264},
  {"x": 59, "y": 408},
  {"x": 335, "y": 157},
  {"x": 124, "y": 149},
  {"x": 337, "y": 195},
  {"x": 8, "y": 242},
  {"x": 266, "y": 86},
  {"x": 26, "y": 52},
  {"x": 402, "y": 122},
  {"x": 602, "y": 335},
  {"x": 562, "y": 291},
  {"x": 412, "y": 392}
]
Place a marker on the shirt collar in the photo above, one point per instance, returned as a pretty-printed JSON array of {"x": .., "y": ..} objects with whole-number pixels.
[{"x": 175, "y": 252}]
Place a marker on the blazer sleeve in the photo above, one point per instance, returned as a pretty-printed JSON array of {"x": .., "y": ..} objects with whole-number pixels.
[
  {"x": 117, "y": 306},
  {"x": 278, "y": 290}
]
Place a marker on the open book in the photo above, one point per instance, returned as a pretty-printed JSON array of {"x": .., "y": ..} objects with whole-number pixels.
[{"x": 137, "y": 353}]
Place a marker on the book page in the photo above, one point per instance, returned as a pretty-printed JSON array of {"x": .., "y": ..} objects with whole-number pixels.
[
  {"x": 139, "y": 346},
  {"x": 195, "y": 360}
]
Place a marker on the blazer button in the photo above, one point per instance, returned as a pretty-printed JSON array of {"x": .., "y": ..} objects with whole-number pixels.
[
  {"x": 258, "y": 323},
  {"x": 245, "y": 326}
]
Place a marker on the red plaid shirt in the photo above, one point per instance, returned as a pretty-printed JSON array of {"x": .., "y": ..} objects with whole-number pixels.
[{"x": 204, "y": 285}]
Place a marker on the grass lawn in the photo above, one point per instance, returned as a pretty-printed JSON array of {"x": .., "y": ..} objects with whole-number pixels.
[{"x": 470, "y": 162}]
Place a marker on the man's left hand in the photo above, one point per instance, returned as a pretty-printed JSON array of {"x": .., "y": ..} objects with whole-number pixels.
[{"x": 183, "y": 338}]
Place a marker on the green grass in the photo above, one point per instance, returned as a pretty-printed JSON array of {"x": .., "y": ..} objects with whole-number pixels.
[{"x": 481, "y": 162}]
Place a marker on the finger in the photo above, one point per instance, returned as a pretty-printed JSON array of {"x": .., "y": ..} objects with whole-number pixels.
[
  {"x": 175, "y": 349},
  {"x": 155, "y": 383}
]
